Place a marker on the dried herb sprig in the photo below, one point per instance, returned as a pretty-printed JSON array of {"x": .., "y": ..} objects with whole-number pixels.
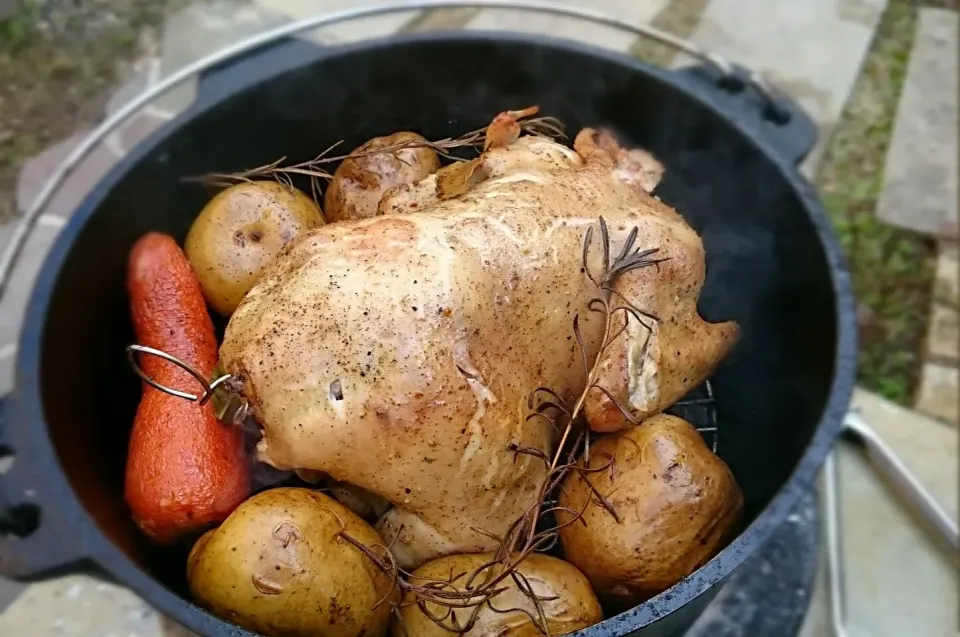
[
  {"x": 525, "y": 536},
  {"x": 314, "y": 169}
]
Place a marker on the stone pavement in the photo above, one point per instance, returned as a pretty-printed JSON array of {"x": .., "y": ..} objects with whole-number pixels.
[
  {"x": 898, "y": 581},
  {"x": 80, "y": 606},
  {"x": 635, "y": 12},
  {"x": 767, "y": 36},
  {"x": 884, "y": 549},
  {"x": 920, "y": 183},
  {"x": 920, "y": 193}
]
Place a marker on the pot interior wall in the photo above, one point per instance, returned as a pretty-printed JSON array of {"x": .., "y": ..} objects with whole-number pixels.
[{"x": 765, "y": 268}]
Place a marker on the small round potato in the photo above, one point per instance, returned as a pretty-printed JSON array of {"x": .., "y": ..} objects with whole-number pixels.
[
  {"x": 677, "y": 504},
  {"x": 278, "y": 566},
  {"x": 359, "y": 182},
  {"x": 567, "y": 603},
  {"x": 240, "y": 232}
]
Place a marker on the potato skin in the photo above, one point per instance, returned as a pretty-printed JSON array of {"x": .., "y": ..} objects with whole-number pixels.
[
  {"x": 678, "y": 502},
  {"x": 359, "y": 183},
  {"x": 278, "y": 567},
  {"x": 240, "y": 232},
  {"x": 576, "y": 607}
]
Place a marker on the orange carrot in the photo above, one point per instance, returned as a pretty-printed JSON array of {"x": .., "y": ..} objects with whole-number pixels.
[{"x": 186, "y": 469}]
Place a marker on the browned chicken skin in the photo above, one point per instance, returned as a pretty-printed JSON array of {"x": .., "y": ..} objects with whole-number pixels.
[{"x": 397, "y": 353}]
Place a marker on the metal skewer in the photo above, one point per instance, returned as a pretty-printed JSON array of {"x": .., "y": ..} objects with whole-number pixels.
[{"x": 208, "y": 388}]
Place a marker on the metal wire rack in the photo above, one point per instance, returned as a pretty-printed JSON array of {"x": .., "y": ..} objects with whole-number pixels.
[{"x": 699, "y": 408}]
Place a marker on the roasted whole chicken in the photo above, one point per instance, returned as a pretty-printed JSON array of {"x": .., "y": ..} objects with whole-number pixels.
[{"x": 397, "y": 353}]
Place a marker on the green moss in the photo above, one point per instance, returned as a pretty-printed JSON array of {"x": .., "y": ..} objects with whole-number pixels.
[
  {"x": 15, "y": 30},
  {"x": 892, "y": 269}
]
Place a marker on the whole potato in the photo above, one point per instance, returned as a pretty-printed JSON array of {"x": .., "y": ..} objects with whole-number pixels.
[
  {"x": 240, "y": 232},
  {"x": 359, "y": 182},
  {"x": 574, "y": 606},
  {"x": 677, "y": 502},
  {"x": 277, "y": 566}
]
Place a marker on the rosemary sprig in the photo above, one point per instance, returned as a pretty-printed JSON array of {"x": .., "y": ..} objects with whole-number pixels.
[{"x": 314, "y": 169}]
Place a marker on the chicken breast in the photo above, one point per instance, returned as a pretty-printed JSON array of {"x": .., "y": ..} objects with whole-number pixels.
[{"x": 397, "y": 353}]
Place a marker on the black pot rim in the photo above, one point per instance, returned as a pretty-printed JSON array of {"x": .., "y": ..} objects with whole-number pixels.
[{"x": 27, "y": 404}]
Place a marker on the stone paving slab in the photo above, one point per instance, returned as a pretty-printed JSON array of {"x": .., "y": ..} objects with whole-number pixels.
[
  {"x": 37, "y": 170},
  {"x": 202, "y": 29},
  {"x": 811, "y": 50},
  {"x": 147, "y": 73},
  {"x": 440, "y": 20},
  {"x": 138, "y": 128},
  {"x": 633, "y": 11},
  {"x": 943, "y": 342},
  {"x": 938, "y": 395},
  {"x": 899, "y": 582},
  {"x": 9, "y": 591},
  {"x": 947, "y": 289},
  {"x": 353, "y": 31},
  {"x": 32, "y": 178},
  {"x": 939, "y": 392},
  {"x": 169, "y": 628},
  {"x": 920, "y": 180},
  {"x": 80, "y": 606},
  {"x": 14, "y": 302},
  {"x": 141, "y": 73}
]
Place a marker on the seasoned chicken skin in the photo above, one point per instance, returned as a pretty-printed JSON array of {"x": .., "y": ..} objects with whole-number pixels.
[{"x": 397, "y": 353}]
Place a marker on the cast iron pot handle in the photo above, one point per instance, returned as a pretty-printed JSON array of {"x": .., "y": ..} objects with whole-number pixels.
[
  {"x": 885, "y": 461},
  {"x": 777, "y": 120},
  {"x": 37, "y": 530}
]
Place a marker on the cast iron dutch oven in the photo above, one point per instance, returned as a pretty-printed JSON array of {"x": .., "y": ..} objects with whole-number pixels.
[{"x": 773, "y": 264}]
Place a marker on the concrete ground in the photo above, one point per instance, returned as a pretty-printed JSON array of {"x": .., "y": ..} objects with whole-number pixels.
[{"x": 898, "y": 582}]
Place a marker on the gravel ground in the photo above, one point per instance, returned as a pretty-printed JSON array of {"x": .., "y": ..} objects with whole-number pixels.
[{"x": 58, "y": 61}]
